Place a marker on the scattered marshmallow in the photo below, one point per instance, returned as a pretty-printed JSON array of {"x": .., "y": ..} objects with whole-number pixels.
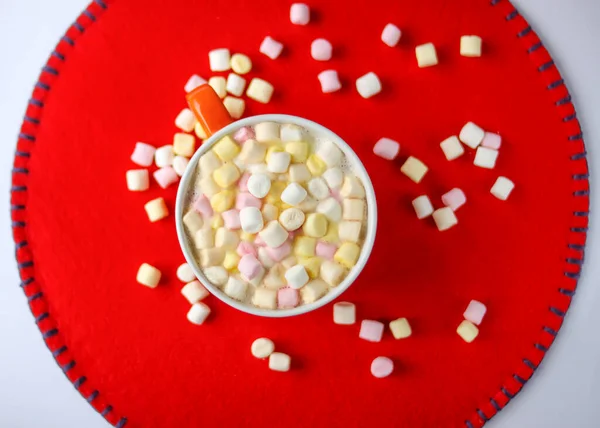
[
  {"x": 468, "y": 331},
  {"x": 426, "y": 55},
  {"x": 331, "y": 209},
  {"x": 475, "y": 312},
  {"x": 318, "y": 189},
  {"x": 193, "y": 291},
  {"x": 414, "y": 169},
  {"x": 143, "y": 154},
  {"x": 386, "y": 148},
  {"x": 185, "y": 273},
  {"x": 199, "y": 131},
  {"x": 185, "y": 120},
  {"x": 344, "y": 313},
  {"x": 165, "y": 176},
  {"x": 296, "y": 276},
  {"x": 219, "y": 59},
  {"x": 371, "y": 331},
  {"x": 502, "y": 188},
  {"x": 330, "y": 81},
  {"x": 273, "y": 234},
  {"x": 184, "y": 144},
  {"x": 163, "y": 156},
  {"x": 240, "y": 63},
  {"x": 148, "y": 275},
  {"x": 400, "y": 328},
  {"x": 217, "y": 275},
  {"x": 198, "y": 313},
  {"x": 321, "y": 50},
  {"x": 235, "y": 106},
  {"x": 391, "y": 35},
  {"x": 353, "y": 209},
  {"x": 262, "y": 348},
  {"x": 454, "y": 199},
  {"x": 444, "y": 218},
  {"x": 452, "y": 148},
  {"x": 293, "y": 194},
  {"x": 180, "y": 164},
  {"x": 491, "y": 141},
  {"x": 251, "y": 220},
  {"x": 330, "y": 153},
  {"x": 271, "y": 47},
  {"x": 423, "y": 207},
  {"x": 260, "y": 90},
  {"x": 259, "y": 185},
  {"x": 137, "y": 180},
  {"x": 292, "y": 219},
  {"x": 193, "y": 82},
  {"x": 156, "y": 209},
  {"x": 299, "y": 14},
  {"x": 368, "y": 85},
  {"x": 382, "y": 367},
  {"x": 235, "y": 84},
  {"x": 279, "y": 362},
  {"x": 332, "y": 272},
  {"x": 235, "y": 288},
  {"x": 334, "y": 177},
  {"x": 471, "y": 135},
  {"x": 219, "y": 84},
  {"x": 470, "y": 46},
  {"x": 485, "y": 158}
]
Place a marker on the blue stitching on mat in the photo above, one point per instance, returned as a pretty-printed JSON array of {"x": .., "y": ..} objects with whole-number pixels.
[
  {"x": 526, "y": 31},
  {"x": 574, "y": 261},
  {"x": 80, "y": 381},
  {"x": 494, "y": 2},
  {"x": 122, "y": 422},
  {"x": 25, "y": 264},
  {"x": 556, "y": 84},
  {"x": 495, "y": 404},
  {"x": 570, "y": 117},
  {"x": 41, "y": 318},
  {"x": 78, "y": 26},
  {"x": 68, "y": 40},
  {"x": 35, "y": 296},
  {"x": 26, "y": 136},
  {"x": 576, "y": 137},
  {"x": 581, "y": 193},
  {"x": 573, "y": 275},
  {"x": 579, "y": 229},
  {"x": 581, "y": 176},
  {"x": 58, "y": 55},
  {"x": 107, "y": 410},
  {"x": 508, "y": 394},
  {"x": 26, "y": 282},
  {"x": 482, "y": 415},
  {"x": 59, "y": 351},
  {"x": 43, "y": 86},
  {"x": 18, "y": 224},
  {"x": 21, "y": 244},
  {"x": 541, "y": 347},
  {"x": 92, "y": 396},
  {"x": 50, "y": 333},
  {"x": 18, "y": 188},
  {"x": 469, "y": 424},
  {"x": 563, "y": 101},
  {"x": 529, "y": 364},
  {"x": 566, "y": 292},
  {"x": 100, "y": 3},
  {"x": 50, "y": 70},
  {"x": 89, "y": 15},
  {"x": 581, "y": 213},
  {"x": 23, "y": 154},
  {"x": 550, "y": 331},
  {"x": 68, "y": 366},
  {"x": 545, "y": 66},
  {"x": 578, "y": 156},
  {"x": 534, "y": 48},
  {"x": 31, "y": 120},
  {"x": 17, "y": 207},
  {"x": 557, "y": 311},
  {"x": 19, "y": 170},
  {"x": 519, "y": 379},
  {"x": 35, "y": 102},
  {"x": 512, "y": 15}
]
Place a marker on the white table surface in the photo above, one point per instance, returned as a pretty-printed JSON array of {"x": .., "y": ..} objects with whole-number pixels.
[{"x": 564, "y": 393}]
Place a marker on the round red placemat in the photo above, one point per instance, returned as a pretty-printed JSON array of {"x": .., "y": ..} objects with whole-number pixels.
[{"x": 116, "y": 78}]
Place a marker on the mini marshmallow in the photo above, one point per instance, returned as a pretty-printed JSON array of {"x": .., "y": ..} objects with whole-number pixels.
[
  {"x": 414, "y": 169},
  {"x": 231, "y": 219},
  {"x": 325, "y": 250},
  {"x": 444, "y": 218},
  {"x": 222, "y": 201},
  {"x": 143, "y": 154},
  {"x": 422, "y": 206},
  {"x": 318, "y": 188},
  {"x": 454, "y": 199},
  {"x": 386, "y": 148},
  {"x": 332, "y": 273},
  {"x": 349, "y": 231},
  {"x": 485, "y": 158},
  {"x": 382, "y": 367},
  {"x": 471, "y": 135},
  {"x": 321, "y": 49},
  {"x": 287, "y": 298},
  {"x": 354, "y": 209},
  {"x": 198, "y": 313},
  {"x": 253, "y": 152},
  {"x": 251, "y": 220},
  {"x": 273, "y": 234},
  {"x": 347, "y": 255},
  {"x": 315, "y": 225},
  {"x": 262, "y": 348},
  {"x": 235, "y": 84},
  {"x": 426, "y": 55},
  {"x": 291, "y": 133},
  {"x": 208, "y": 187},
  {"x": 475, "y": 312},
  {"x": 219, "y": 84},
  {"x": 219, "y": 59},
  {"x": 148, "y": 275},
  {"x": 193, "y": 221},
  {"x": 274, "y": 278},
  {"x": 185, "y": 273},
  {"x": 226, "y": 175},
  {"x": 315, "y": 165},
  {"x": 209, "y": 162},
  {"x": 235, "y": 106},
  {"x": 344, "y": 313},
  {"x": 204, "y": 239},
  {"x": 211, "y": 257},
  {"x": 267, "y": 132},
  {"x": 194, "y": 291},
  {"x": 331, "y": 209},
  {"x": 299, "y": 173},
  {"x": 312, "y": 266},
  {"x": 400, "y": 328},
  {"x": 240, "y": 63},
  {"x": 368, "y": 85},
  {"x": 304, "y": 246},
  {"x": 313, "y": 291},
  {"x": 260, "y": 90},
  {"x": 334, "y": 177},
  {"x": 296, "y": 276},
  {"x": 259, "y": 185},
  {"x": 184, "y": 144},
  {"x": 203, "y": 206},
  {"x": 371, "y": 331},
  {"x": 279, "y": 362},
  {"x": 330, "y": 81},
  {"x": 279, "y": 162},
  {"x": 165, "y": 176},
  {"x": 137, "y": 180},
  {"x": 281, "y": 252},
  {"x": 180, "y": 163},
  {"x": 352, "y": 188},
  {"x": 249, "y": 266},
  {"x": 299, "y": 14},
  {"x": 217, "y": 275},
  {"x": 293, "y": 194},
  {"x": 193, "y": 82},
  {"x": 245, "y": 247},
  {"x": 231, "y": 260},
  {"x": 245, "y": 200},
  {"x": 200, "y": 132},
  {"x": 452, "y": 148},
  {"x": 470, "y": 46},
  {"x": 468, "y": 331},
  {"x": 270, "y": 212},
  {"x": 227, "y": 239},
  {"x": 226, "y": 148},
  {"x": 271, "y": 47},
  {"x": 243, "y": 134},
  {"x": 391, "y": 35},
  {"x": 491, "y": 141},
  {"x": 163, "y": 156},
  {"x": 330, "y": 153},
  {"x": 298, "y": 150},
  {"x": 292, "y": 219},
  {"x": 502, "y": 188},
  {"x": 289, "y": 262},
  {"x": 216, "y": 222},
  {"x": 308, "y": 204},
  {"x": 156, "y": 209},
  {"x": 185, "y": 120},
  {"x": 235, "y": 288},
  {"x": 265, "y": 298}
]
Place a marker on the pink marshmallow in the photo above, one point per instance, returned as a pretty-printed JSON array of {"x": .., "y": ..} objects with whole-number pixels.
[
  {"x": 336, "y": 195},
  {"x": 299, "y": 14},
  {"x": 243, "y": 134},
  {"x": 320, "y": 49},
  {"x": 491, "y": 141},
  {"x": 249, "y": 266},
  {"x": 330, "y": 82},
  {"x": 143, "y": 154},
  {"x": 244, "y": 200},
  {"x": 231, "y": 219},
  {"x": 287, "y": 298},
  {"x": 165, "y": 176},
  {"x": 325, "y": 250},
  {"x": 454, "y": 199},
  {"x": 386, "y": 148},
  {"x": 371, "y": 330},
  {"x": 245, "y": 247},
  {"x": 475, "y": 312},
  {"x": 382, "y": 367},
  {"x": 281, "y": 252},
  {"x": 203, "y": 206},
  {"x": 243, "y": 183},
  {"x": 259, "y": 241}
]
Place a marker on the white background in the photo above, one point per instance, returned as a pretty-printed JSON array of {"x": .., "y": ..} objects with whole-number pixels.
[{"x": 565, "y": 392}]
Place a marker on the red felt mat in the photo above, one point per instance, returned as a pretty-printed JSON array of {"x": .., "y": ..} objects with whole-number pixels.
[{"x": 117, "y": 77}]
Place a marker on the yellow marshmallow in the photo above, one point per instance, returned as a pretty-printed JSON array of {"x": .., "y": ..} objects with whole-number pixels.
[
  {"x": 200, "y": 132},
  {"x": 468, "y": 331},
  {"x": 274, "y": 195},
  {"x": 245, "y": 236},
  {"x": 347, "y": 254},
  {"x": 304, "y": 246},
  {"x": 222, "y": 201},
  {"x": 312, "y": 266},
  {"x": 315, "y": 225},
  {"x": 315, "y": 165},
  {"x": 298, "y": 150},
  {"x": 184, "y": 144},
  {"x": 226, "y": 175},
  {"x": 216, "y": 222},
  {"x": 332, "y": 236},
  {"x": 226, "y": 148},
  {"x": 231, "y": 260}
]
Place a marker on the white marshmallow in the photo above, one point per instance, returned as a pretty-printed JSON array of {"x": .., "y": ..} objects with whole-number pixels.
[
  {"x": 180, "y": 163},
  {"x": 313, "y": 291},
  {"x": 414, "y": 169},
  {"x": 209, "y": 162},
  {"x": 293, "y": 194},
  {"x": 291, "y": 133},
  {"x": 331, "y": 272},
  {"x": 257, "y": 280},
  {"x": 198, "y": 313},
  {"x": 354, "y": 209},
  {"x": 235, "y": 106},
  {"x": 334, "y": 177},
  {"x": 299, "y": 173},
  {"x": 344, "y": 313},
  {"x": 426, "y": 55},
  {"x": 259, "y": 185},
  {"x": 265, "y": 298},
  {"x": 471, "y": 135},
  {"x": 279, "y": 162},
  {"x": 204, "y": 239},
  {"x": 219, "y": 59},
  {"x": 330, "y": 153},
  {"x": 292, "y": 219},
  {"x": 138, "y": 180},
  {"x": 265, "y": 260},
  {"x": 279, "y": 362},
  {"x": 330, "y": 81},
  {"x": 193, "y": 221},
  {"x": 485, "y": 158},
  {"x": 193, "y": 82},
  {"x": 452, "y": 148},
  {"x": 260, "y": 90},
  {"x": 185, "y": 120},
  {"x": 227, "y": 239},
  {"x": 331, "y": 208},
  {"x": 444, "y": 218},
  {"x": 217, "y": 275},
  {"x": 321, "y": 50},
  {"x": 235, "y": 84},
  {"x": 368, "y": 85},
  {"x": 422, "y": 206},
  {"x": 211, "y": 257},
  {"x": 391, "y": 35},
  {"x": 148, "y": 275},
  {"x": 235, "y": 288},
  {"x": 253, "y": 152},
  {"x": 352, "y": 188},
  {"x": 296, "y": 276},
  {"x": 156, "y": 209},
  {"x": 470, "y": 46},
  {"x": 318, "y": 188},
  {"x": 251, "y": 220},
  {"x": 309, "y": 204},
  {"x": 219, "y": 84},
  {"x": 185, "y": 273},
  {"x": 349, "y": 231},
  {"x": 274, "y": 234},
  {"x": 502, "y": 188},
  {"x": 163, "y": 156},
  {"x": 299, "y": 14},
  {"x": 475, "y": 312},
  {"x": 267, "y": 132},
  {"x": 262, "y": 348},
  {"x": 271, "y": 47},
  {"x": 194, "y": 291}
]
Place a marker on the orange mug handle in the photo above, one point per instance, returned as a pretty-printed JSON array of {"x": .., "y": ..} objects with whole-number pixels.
[{"x": 208, "y": 109}]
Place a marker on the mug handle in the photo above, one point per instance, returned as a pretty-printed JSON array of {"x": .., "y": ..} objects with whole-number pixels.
[{"x": 208, "y": 109}]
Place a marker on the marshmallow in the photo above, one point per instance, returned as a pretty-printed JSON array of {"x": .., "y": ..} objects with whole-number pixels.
[
  {"x": 226, "y": 148},
  {"x": 470, "y": 46},
  {"x": 185, "y": 120},
  {"x": 344, "y": 313},
  {"x": 243, "y": 134},
  {"x": 235, "y": 84},
  {"x": 426, "y": 55},
  {"x": 271, "y": 47},
  {"x": 279, "y": 362},
  {"x": 251, "y": 220},
  {"x": 143, "y": 154},
  {"x": 257, "y": 280},
  {"x": 352, "y": 188},
  {"x": 299, "y": 173},
  {"x": 296, "y": 276},
  {"x": 260, "y": 90},
  {"x": 184, "y": 144},
  {"x": 235, "y": 288},
  {"x": 330, "y": 81},
  {"x": 209, "y": 162},
  {"x": 165, "y": 176},
  {"x": 291, "y": 219},
  {"x": 325, "y": 250},
  {"x": 279, "y": 253},
  {"x": 330, "y": 153},
  {"x": 279, "y": 162},
  {"x": 321, "y": 49},
  {"x": 226, "y": 175},
  {"x": 240, "y": 63},
  {"x": 308, "y": 204},
  {"x": 222, "y": 201},
  {"x": 253, "y": 152},
  {"x": 245, "y": 200},
  {"x": 400, "y": 328},
  {"x": 217, "y": 222},
  {"x": 245, "y": 247},
  {"x": 291, "y": 133},
  {"x": 193, "y": 221},
  {"x": 211, "y": 257},
  {"x": 334, "y": 177},
  {"x": 148, "y": 275},
  {"x": 304, "y": 246},
  {"x": 273, "y": 234},
  {"x": 468, "y": 331},
  {"x": 275, "y": 148},
  {"x": 287, "y": 298},
  {"x": 347, "y": 254},
  {"x": 371, "y": 330},
  {"x": 299, "y": 14},
  {"x": 491, "y": 141},
  {"x": 391, "y": 35},
  {"x": 289, "y": 262},
  {"x": 231, "y": 219},
  {"x": 444, "y": 218},
  {"x": 452, "y": 148},
  {"x": 349, "y": 231},
  {"x": 200, "y": 132},
  {"x": 354, "y": 209},
  {"x": 208, "y": 187},
  {"x": 198, "y": 313},
  {"x": 249, "y": 266},
  {"x": 262, "y": 348},
  {"x": 270, "y": 212},
  {"x": 315, "y": 225},
  {"x": 471, "y": 135},
  {"x": 331, "y": 209},
  {"x": 502, "y": 188},
  {"x": 180, "y": 164},
  {"x": 227, "y": 239},
  {"x": 318, "y": 188},
  {"x": 332, "y": 273},
  {"x": 231, "y": 260},
  {"x": 382, "y": 367},
  {"x": 137, "y": 180},
  {"x": 274, "y": 278},
  {"x": 368, "y": 85},
  {"x": 193, "y": 82},
  {"x": 259, "y": 185},
  {"x": 235, "y": 106},
  {"x": 298, "y": 151},
  {"x": 219, "y": 59},
  {"x": 475, "y": 312},
  {"x": 156, "y": 209},
  {"x": 315, "y": 165},
  {"x": 386, "y": 148},
  {"x": 293, "y": 194},
  {"x": 185, "y": 273},
  {"x": 414, "y": 169},
  {"x": 265, "y": 298},
  {"x": 217, "y": 275},
  {"x": 204, "y": 239},
  {"x": 163, "y": 156},
  {"x": 194, "y": 291},
  {"x": 219, "y": 84},
  {"x": 422, "y": 206},
  {"x": 313, "y": 291},
  {"x": 274, "y": 196},
  {"x": 203, "y": 206},
  {"x": 454, "y": 199},
  {"x": 312, "y": 266},
  {"x": 485, "y": 158},
  {"x": 263, "y": 257}
]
